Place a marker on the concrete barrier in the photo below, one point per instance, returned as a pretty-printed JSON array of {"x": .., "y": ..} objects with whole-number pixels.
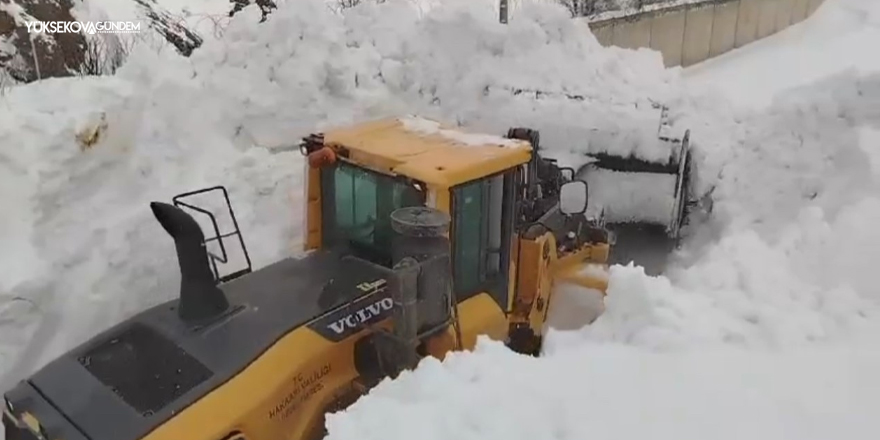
[
  {"x": 799, "y": 11},
  {"x": 724, "y": 28},
  {"x": 747, "y": 21},
  {"x": 667, "y": 36},
  {"x": 783, "y": 14},
  {"x": 767, "y": 19},
  {"x": 697, "y": 34},
  {"x": 604, "y": 34},
  {"x": 686, "y": 34},
  {"x": 632, "y": 34}
]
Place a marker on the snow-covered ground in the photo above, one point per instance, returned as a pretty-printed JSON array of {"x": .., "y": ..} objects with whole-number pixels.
[
  {"x": 765, "y": 328},
  {"x": 623, "y": 393}
]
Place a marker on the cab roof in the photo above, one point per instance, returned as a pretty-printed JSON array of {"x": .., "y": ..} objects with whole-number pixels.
[{"x": 427, "y": 150}]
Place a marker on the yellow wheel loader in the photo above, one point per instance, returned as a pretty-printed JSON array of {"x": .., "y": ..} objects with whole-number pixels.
[{"x": 420, "y": 238}]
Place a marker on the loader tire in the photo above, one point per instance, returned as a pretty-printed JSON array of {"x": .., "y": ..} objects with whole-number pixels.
[{"x": 524, "y": 341}]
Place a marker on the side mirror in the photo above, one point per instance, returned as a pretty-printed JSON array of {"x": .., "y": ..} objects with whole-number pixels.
[{"x": 573, "y": 197}]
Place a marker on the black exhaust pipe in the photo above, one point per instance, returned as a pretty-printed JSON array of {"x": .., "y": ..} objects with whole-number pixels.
[{"x": 200, "y": 298}]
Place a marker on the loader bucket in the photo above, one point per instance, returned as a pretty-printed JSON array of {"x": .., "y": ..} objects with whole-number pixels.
[{"x": 644, "y": 204}]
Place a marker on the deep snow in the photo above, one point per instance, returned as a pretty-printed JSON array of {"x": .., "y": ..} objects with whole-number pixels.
[
  {"x": 765, "y": 328},
  {"x": 620, "y": 392}
]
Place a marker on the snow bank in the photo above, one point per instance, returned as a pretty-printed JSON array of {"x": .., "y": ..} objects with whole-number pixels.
[
  {"x": 613, "y": 392},
  {"x": 87, "y": 246},
  {"x": 805, "y": 149},
  {"x": 812, "y": 284},
  {"x": 454, "y": 63}
]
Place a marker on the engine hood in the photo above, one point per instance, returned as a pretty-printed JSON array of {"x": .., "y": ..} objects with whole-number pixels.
[{"x": 131, "y": 378}]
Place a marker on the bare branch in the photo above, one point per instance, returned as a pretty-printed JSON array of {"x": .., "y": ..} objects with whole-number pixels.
[{"x": 106, "y": 53}]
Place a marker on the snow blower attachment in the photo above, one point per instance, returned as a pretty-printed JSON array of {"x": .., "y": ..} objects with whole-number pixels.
[{"x": 643, "y": 204}]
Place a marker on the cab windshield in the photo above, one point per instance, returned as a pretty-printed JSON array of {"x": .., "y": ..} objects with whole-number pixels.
[{"x": 357, "y": 207}]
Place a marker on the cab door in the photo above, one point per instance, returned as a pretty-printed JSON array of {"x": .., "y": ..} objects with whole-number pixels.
[{"x": 482, "y": 232}]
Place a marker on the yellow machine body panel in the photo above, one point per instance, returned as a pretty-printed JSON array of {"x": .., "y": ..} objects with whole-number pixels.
[
  {"x": 285, "y": 393},
  {"x": 426, "y": 150},
  {"x": 312, "y": 217}
]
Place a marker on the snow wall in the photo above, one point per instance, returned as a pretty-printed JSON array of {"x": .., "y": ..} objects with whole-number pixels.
[{"x": 687, "y": 32}]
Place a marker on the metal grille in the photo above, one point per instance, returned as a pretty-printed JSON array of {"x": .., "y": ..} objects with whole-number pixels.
[{"x": 144, "y": 368}]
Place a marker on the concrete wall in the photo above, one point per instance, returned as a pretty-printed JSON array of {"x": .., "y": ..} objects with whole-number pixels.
[
  {"x": 631, "y": 34},
  {"x": 667, "y": 35},
  {"x": 697, "y": 34},
  {"x": 690, "y": 33}
]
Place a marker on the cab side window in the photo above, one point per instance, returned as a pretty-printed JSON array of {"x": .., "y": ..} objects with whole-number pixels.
[
  {"x": 357, "y": 209},
  {"x": 481, "y": 228},
  {"x": 468, "y": 246}
]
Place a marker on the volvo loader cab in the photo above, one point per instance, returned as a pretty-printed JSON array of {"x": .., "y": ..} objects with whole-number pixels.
[
  {"x": 421, "y": 238},
  {"x": 507, "y": 225}
]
